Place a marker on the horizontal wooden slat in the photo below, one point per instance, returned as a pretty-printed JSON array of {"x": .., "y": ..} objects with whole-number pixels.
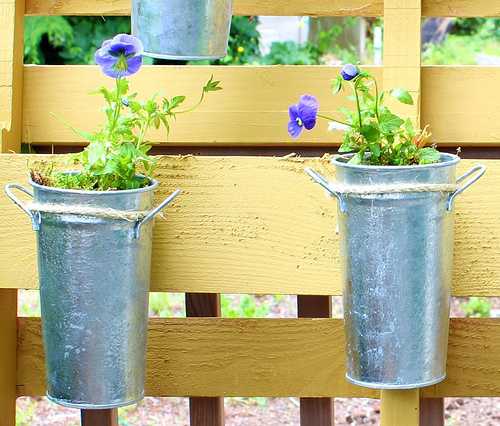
[
  {"x": 258, "y": 225},
  {"x": 275, "y": 7},
  {"x": 240, "y": 7},
  {"x": 458, "y": 104},
  {"x": 273, "y": 357},
  {"x": 252, "y": 110}
]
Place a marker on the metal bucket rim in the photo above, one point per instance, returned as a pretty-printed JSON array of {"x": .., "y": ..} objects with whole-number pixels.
[
  {"x": 447, "y": 160},
  {"x": 151, "y": 187}
]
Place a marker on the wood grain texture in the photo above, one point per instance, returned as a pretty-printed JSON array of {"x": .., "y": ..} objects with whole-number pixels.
[
  {"x": 402, "y": 52},
  {"x": 260, "y": 226},
  {"x": 11, "y": 74},
  {"x": 273, "y": 357},
  {"x": 252, "y": 110},
  {"x": 432, "y": 412},
  {"x": 275, "y": 7},
  {"x": 99, "y": 417},
  {"x": 402, "y": 68},
  {"x": 8, "y": 357},
  {"x": 315, "y": 411},
  {"x": 458, "y": 104},
  {"x": 240, "y": 7},
  {"x": 399, "y": 407},
  {"x": 205, "y": 411}
]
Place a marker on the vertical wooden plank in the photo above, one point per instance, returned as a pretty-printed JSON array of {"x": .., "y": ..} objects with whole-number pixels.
[
  {"x": 11, "y": 74},
  {"x": 99, "y": 417},
  {"x": 399, "y": 407},
  {"x": 402, "y": 68},
  {"x": 432, "y": 411},
  {"x": 8, "y": 345},
  {"x": 205, "y": 411},
  {"x": 315, "y": 411},
  {"x": 402, "y": 52}
]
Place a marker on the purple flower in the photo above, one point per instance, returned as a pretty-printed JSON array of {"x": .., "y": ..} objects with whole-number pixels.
[
  {"x": 349, "y": 72},
  {"x": 302, "y": 115},
  {"x": 121, "y": 56}
]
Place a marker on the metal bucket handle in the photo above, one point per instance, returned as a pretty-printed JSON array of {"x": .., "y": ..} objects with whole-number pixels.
[
  {"x": 324, "y": 183},
  {"x": 478, "y": 170},
  {"x": 150, "y": 216},
  {"x": 36, "y": 218}
]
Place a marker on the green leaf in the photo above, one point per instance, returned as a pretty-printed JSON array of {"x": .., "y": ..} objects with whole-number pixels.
[
  {"x": 150, "y": 106},
  {"x": 337, "y": 84},
  {"x": 212, "y": 85},
  {"x": 428, "y": 155},
  {"x": 135, "y": 106},
  {"x": 348, "y": 144},
  {"x": 409, "y": 128},
  {"x": 375, "y": 149},
  {"x": 357, "y": 158},
  {"x": 122, "y": 86},
  {"x": 389, "y": 122},
  {"x": 371, "y": 133},
  {"x": 402, "y": 96},
  {"x": 176, "y": 101}
]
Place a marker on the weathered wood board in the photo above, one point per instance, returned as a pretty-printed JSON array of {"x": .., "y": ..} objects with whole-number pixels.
[
  {"x": 252, "y": 110},
  {"x": 273, "y": 357},
  {"x": 260, "y": 226},
  {"x": 275, "y": 7}
]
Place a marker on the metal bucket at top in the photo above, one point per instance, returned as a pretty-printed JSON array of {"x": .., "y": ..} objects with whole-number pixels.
[
  {"x": 397, "y": 253},
  {"x": 94, "y": 278},
  {"x": 182, "y": 29}
]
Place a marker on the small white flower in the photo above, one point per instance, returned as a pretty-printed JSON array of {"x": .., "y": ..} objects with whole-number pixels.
[{"x": 333, "y": 125}]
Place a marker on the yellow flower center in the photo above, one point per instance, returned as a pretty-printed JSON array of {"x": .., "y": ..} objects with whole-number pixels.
[{"x": 121, "y": 63}]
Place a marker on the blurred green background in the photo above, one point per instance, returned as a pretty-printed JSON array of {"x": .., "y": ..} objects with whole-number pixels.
[{"x": 467, "y": 41}]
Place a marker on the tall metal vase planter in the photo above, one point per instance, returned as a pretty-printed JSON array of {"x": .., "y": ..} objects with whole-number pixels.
[
  {"x": 182, "y": 29},
  {"x": 94, "y": 262},
  {"x": 396, "y": 243}
]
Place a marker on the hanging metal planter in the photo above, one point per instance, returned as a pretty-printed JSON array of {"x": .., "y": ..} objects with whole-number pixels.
[
  {"x": 396, "y": 232},
  {"x": 94, "y": 261},
  {"x": 182, "y": 29}
]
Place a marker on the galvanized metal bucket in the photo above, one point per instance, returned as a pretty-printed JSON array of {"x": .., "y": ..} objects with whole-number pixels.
[
  {"x": 397, "y": 254},
  {"x": 182, "y": 29},
  {"x": 94, "y": 277}
]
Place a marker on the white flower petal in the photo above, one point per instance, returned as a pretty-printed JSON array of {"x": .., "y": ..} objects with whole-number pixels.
[{"x": 333, "y": 125}]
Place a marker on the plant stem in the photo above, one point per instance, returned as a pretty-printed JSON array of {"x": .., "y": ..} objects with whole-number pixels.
[
  {"x": 195, "y": 106},
  {"x": 359, "y": 107},
  {"x": 325, "y": 117},
  {"x": 118, "y": 107},
  {"x": 376, "y": 99},
  {"x": 142, "y": 134}
]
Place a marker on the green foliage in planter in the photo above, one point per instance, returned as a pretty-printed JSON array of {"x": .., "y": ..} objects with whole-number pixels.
[
  {"x": 118, "y": 151},
  {"x": 477, "y": 307},
  {"x": 372, "y": 131}
]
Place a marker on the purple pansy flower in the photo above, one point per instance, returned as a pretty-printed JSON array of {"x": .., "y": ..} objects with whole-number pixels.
[
  {"x": 120, "y": 56},
  {"x": 349, "y": 72},
  {"x": 302, "y": 115}
]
